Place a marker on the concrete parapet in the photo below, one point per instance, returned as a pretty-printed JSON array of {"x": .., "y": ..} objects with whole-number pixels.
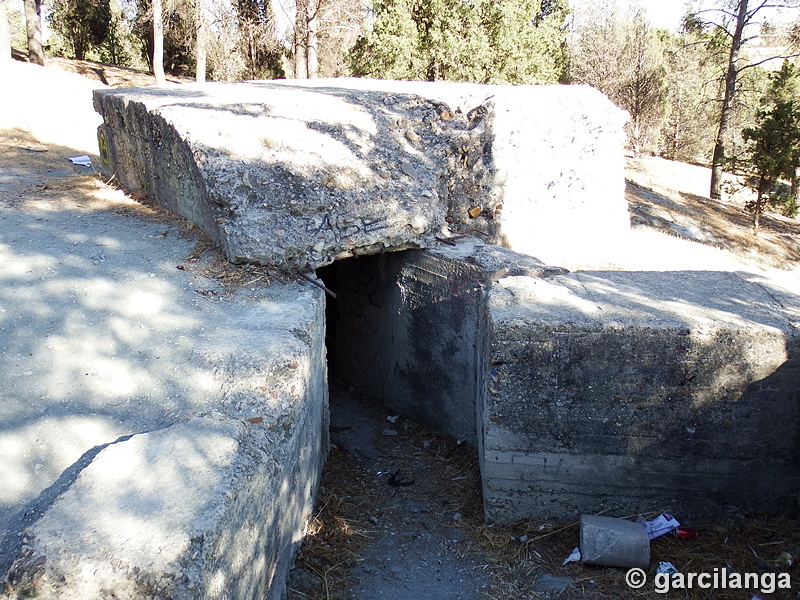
[
  {"x": 300, "y": 174},
  {"x": 209, "y": 505},
  {"x": 640, "y": 391}
]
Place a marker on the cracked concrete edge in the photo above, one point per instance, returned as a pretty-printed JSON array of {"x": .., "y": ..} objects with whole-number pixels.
[
  {"x": 695, "y": 300},
  {"x": 208, "y": 507}
]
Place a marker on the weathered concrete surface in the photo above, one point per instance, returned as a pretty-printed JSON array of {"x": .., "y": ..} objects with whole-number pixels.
[
  {"x": 129, "y": 463},
  {"x": 613, "y": 542},
  {"x": 409, "y": 327},
  {"x": 300, "y": 174},
  {"x": 635, "y": 391}
]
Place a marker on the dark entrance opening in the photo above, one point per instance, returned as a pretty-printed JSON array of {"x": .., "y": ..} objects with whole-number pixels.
[{"x": 405, "y": 329}]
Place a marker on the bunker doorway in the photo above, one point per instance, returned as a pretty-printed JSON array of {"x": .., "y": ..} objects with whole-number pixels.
[{"x": 405, "y": 330}]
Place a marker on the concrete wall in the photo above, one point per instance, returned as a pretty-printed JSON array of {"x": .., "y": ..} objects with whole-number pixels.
[
  {"x": 591, "y": 391},
  {"x": 640, "y": 391},
  {"x": 298, "y": 174}
]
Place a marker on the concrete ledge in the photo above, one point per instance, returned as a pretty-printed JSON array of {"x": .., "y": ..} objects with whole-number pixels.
[{"x": 298, "y": 174}]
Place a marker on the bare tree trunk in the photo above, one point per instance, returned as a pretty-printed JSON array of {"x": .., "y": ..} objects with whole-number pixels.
[
  {"x": 5, "y": 35},
  {"x": 33, "y": 25},
  {"x": 301, "y": 40},
  {"x": 158, "y": 42},
  {"x": 727, "y": 103},
  {"x": 202, "y": 34},
  {"x": 312, "y": 62},
  {"x": 762, "y": 187}
]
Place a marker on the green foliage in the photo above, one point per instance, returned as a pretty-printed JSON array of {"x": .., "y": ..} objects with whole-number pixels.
[
  {"x": 179, "y": 34},
  {"x": 774, "y": 143},
  {"x": 84, "y": 23},
  {"x": 694, "y": 64},
  {"x": 16, "y": 26},
  {"x": 121, "y": 47},
  {"x": 485, "y": 41},
  {"x": 778, "y": 198}
]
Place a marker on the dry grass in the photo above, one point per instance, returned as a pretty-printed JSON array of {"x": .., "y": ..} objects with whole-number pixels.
[
  {"x": 110, "y": 75},
  {"x": 723, "y": 224},
  {"x": 90, "y": 191}
]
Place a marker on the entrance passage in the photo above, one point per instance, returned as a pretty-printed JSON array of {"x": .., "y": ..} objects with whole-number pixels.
[{"x": 405, "y": 328}]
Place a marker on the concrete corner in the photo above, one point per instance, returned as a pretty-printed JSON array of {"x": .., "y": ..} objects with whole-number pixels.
[{"x": 638, "y": 392}]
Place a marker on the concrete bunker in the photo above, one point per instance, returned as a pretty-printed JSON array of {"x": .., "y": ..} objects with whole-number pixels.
[{"x": 581, "y": 391}]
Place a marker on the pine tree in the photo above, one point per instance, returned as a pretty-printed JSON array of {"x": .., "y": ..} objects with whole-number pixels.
[
  {"x": 774, "y": 151},
  {"x": 484, "y": 41},
  {"x": 85, "y": 24}
]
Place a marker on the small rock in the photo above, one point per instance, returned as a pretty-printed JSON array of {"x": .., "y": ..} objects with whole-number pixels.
[
  {"x": 412, "y": 135},
  {"x": 408, "y": 169}
]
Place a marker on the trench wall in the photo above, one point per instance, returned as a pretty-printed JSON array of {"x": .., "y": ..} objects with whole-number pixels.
[
  {"x": 641, "y": 391},
  {"x": 409, "y": 332}
]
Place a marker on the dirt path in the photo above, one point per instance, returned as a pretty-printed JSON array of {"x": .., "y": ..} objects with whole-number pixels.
[
  {"x": 427, "y": 540},
  {"x": 398, "y": 495}
]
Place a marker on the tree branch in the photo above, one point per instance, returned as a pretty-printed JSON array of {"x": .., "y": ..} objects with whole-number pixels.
[{"x": 761, "y": 62}]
